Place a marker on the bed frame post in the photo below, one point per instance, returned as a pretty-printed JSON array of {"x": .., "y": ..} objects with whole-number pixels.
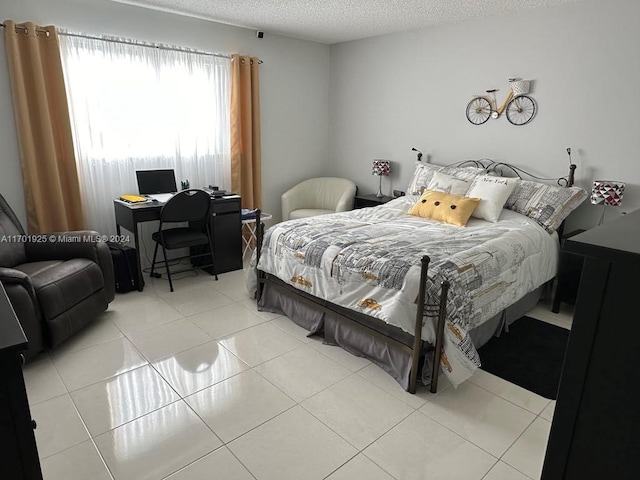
[
  {"x": 572, "y": 170},
  {"x": 442, "y": 314},
  {"x": 259, "y": 273},
  {"x": 417, "y": 334}
]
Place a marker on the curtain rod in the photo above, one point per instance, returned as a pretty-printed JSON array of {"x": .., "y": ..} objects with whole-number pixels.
[
  {"x": 130, "y": 42},
  {"x": 24, "y": 29},
  {"x": 142, "y": 44}
]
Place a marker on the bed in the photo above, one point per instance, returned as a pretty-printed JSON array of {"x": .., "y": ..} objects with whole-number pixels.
[{"x": 411, "y": 294}]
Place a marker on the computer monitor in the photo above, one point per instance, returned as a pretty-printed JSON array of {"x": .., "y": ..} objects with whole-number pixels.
[{"x": 156, "y": 181}]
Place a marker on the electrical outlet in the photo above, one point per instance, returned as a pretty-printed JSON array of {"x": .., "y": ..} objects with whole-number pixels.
[{"x": 398, "y": 193}]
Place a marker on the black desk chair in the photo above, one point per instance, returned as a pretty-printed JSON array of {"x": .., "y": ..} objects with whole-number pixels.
[{"x": 187, "y": 206}]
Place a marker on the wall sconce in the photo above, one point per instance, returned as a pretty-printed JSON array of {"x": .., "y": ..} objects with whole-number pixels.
[
  {"x": 606, "y": 192},
  {"x": 381, "y": 168}
]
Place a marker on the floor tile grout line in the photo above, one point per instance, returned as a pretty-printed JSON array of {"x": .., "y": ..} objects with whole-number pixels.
[
  {"x": 360, "y": 450},
  {"x": 61, "y": 350},
  {"x": 296, "y": 403},
  {"x": 226, "y": 444},
  {"x": 316, "y": 393},
  {"x": 511, "y": 402},
  {"x": 164, "y": 357},
  {"x": 340, "y": 466},
  {"x": 131, "y": 420},
  {"x": 336, "y": 346},
  {"x": 104, "y": 462},
  {"x": 489, "y": 471},
  {"x": 60, "y": 354},
  {"x": 92, "y": 441},
  {"x": 378, "y": 465},
  {"x": 423, "y": 401},
  {"x": 265, "y": 361},
  {"x": 89, "y": 437},
  {"x": 457, "y": 434},
  {"x": 514, "y": 442},
  {"x": 241, "y": 463},
  {"x": 226, "y": 335},
  {"x": 109, "y": 377},
  {"x": 260, "y": 425},
  {"x": 184, "y": 467},
  {"x": 328, "y": 426},
  {"x": 149, "y": 413},
  {"x": 31, "y": 405},
  {"x": 203, "y": 388},
  {"x": 303, "y": 346},
  {"x": 510, "y": 446},
  {"x": 280, "y": 414}
]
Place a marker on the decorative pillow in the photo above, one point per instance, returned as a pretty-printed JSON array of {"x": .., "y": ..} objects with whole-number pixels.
[
  {"x": 493, "y": 192},
  {"x": 423, "y": 175},
  {"x": 548, "y": 205},
  {"x": 463, "y": 173},
  {"x": 445, "y": 207},
  {"x": 441, "y": 182}
]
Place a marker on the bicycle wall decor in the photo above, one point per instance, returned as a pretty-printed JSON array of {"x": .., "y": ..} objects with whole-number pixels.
[{"x": 520, "y": 108}]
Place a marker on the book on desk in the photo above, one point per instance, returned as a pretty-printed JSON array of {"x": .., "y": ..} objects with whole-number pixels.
[{"x": 130, "y": 198}]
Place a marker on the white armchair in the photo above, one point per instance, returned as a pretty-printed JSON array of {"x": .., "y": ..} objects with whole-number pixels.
[{"x": 318, "y": 196}]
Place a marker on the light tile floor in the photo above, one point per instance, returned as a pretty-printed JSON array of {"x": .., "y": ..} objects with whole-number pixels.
[{"x": 197, "y": 384}]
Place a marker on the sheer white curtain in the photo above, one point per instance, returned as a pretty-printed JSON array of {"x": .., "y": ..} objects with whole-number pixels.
[{"x": 134, "y": 107}]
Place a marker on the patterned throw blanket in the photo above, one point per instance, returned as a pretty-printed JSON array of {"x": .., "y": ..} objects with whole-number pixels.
[{"x": 368, "y": 260}]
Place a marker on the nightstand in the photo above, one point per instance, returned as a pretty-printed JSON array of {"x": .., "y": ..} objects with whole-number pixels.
[
  {"x": 362, "y": 201},
  {"x": 569, "y": 272}
]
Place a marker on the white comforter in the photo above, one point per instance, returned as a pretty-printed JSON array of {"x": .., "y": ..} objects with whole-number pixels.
[{"x": 369, "y": 260}]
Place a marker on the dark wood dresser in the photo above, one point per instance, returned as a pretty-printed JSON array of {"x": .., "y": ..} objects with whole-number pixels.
[
  {"x": 18, "y": 452},
  {"x": 594, "y": 433}
]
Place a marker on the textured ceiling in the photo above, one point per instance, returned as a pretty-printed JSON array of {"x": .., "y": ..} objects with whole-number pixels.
[{"x": 333, "y": 21}]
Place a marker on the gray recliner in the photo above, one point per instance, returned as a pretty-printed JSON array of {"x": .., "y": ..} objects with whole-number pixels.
[{"x": 57, "y": 283}]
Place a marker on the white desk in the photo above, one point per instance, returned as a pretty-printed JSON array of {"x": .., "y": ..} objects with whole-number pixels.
[{"x": 249, "y": 230}]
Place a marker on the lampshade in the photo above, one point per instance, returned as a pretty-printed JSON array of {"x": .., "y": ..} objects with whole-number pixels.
[
  {"x": 607, "y": 192},
  {"x": 381, "y": 167}
]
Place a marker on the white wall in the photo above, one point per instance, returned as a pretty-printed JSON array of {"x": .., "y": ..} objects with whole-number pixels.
[
  {"x": 392, "y": 92},
  {"x": 293, "y": 84},
  {"x": 397, "y": 91}
]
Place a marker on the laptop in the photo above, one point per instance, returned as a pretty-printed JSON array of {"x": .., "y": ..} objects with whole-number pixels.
[{"x": 159, "y": 185}]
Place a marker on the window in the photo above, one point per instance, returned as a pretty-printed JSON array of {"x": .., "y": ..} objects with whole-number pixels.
[{"x": 135, "y": 106}]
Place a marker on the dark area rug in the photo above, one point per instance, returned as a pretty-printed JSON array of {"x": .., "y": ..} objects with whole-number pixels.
[{"x": 529, "y": 355}]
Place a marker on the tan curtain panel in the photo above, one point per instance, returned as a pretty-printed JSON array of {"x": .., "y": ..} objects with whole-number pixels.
[
  {"x": 246, "y": 162},
  {"x": 49, "y": 173}
]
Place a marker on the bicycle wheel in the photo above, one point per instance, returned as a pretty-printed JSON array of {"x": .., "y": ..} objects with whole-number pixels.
[
  {"x": 478, "y": 110},
  {"x": 521, "y": 110}
]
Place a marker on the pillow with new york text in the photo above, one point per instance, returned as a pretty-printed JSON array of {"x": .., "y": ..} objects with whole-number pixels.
[
  {"x": 444, "y": 207},
  {"x": 493, "y": 192},
  {"x": 548, "y": 205}
]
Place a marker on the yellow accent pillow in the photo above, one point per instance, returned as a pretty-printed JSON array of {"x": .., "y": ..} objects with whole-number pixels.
[{"x": 445, "y": 207}]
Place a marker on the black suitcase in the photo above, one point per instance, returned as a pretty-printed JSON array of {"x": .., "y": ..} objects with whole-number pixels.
[{"x": 125, "y": 267}]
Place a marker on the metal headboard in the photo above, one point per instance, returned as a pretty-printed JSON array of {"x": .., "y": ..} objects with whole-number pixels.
[{"x": 500, "y": 168}]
